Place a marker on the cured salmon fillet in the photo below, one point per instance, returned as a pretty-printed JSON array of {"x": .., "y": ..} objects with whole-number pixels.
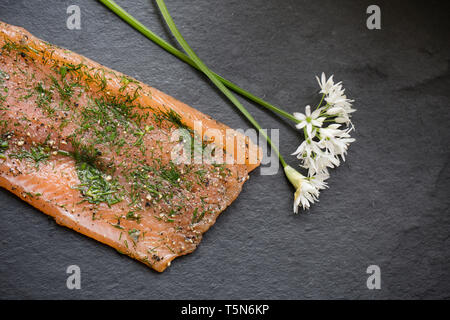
[{"x": 95, "y": 149}]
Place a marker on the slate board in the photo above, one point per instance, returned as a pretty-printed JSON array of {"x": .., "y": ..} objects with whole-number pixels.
[{"x": 388, "y": 205}]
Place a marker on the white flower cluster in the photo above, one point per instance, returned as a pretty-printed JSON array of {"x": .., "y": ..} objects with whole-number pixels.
[{"x": 327, "y": 137}]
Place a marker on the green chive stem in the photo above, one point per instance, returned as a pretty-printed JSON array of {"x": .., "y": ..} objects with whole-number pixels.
[{"x": 174, "y": 51}]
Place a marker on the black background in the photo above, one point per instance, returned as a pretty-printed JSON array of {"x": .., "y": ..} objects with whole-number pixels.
[{"x": 387, "y": 205}]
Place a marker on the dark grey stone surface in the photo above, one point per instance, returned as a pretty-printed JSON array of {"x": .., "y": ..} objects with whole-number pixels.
[{"x": 387, "y": 205}]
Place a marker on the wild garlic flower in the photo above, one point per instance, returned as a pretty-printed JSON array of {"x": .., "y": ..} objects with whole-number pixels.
[
  {"x": 325, "y": 145},
  {"x": 326, "y": 133},
  {"x": 320, "y": 163},
  {"x": 309, "y": 120},
  {"x": 314, "y": 158},
  {"x": 326, "y": 85},
  {"x": 307, "y": 149},
  {"x": 338, "y": 105},
  {"x": 307, "y": 188},
  {"x": 335, "y": 140}
]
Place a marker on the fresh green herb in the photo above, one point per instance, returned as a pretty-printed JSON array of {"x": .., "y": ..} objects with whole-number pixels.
[
  {"x": 4, "y": 145},
  {"x": 194, "y": 215},
  {"x": 65, "y": 90},
  {"x": 96, "y": 187},
  {"x": 171, "y": 174},
  {"x": 171, "y": 250},
  {"x": 11, "y": 46},
  {"x": 64, "y": 153},
  {"x": 125, "y": 81},
  {"x": 117, "y": 226},
  {"x": 141, "y": 185},
  {"x": 82, "y": 152},
  {"x": 132, "y": 215},
  {"x": 173, "y": 117},
  {"x": 134, "y": 235},
  {"x": 37, "y": 154},
  {"x": 108, "y": 118},
  {"x": 44, "y": 98},
  {"x": 3, "y": 76}
]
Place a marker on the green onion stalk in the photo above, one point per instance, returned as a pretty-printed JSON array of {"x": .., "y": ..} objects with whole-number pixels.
[{"x": 133, "y": 22}]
